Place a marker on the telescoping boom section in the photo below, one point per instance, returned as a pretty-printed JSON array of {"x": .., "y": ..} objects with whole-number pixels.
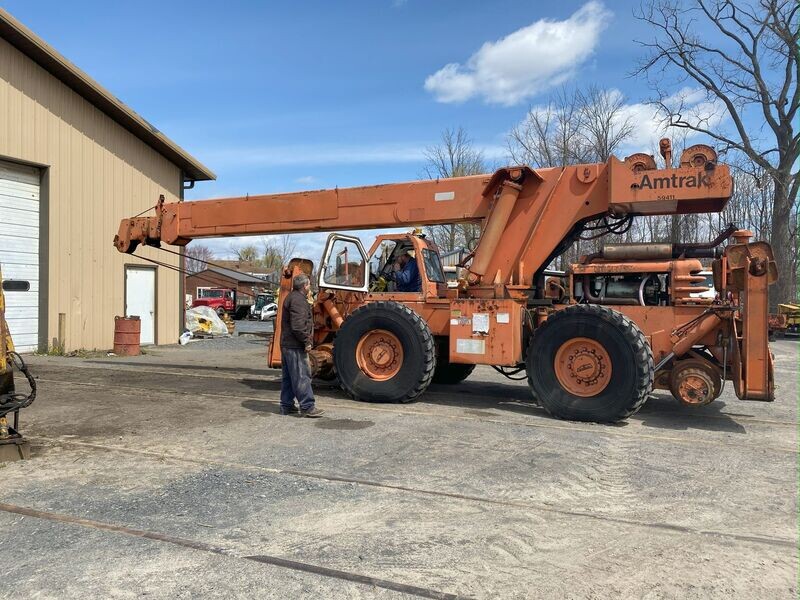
[{"x": 594, "y": 340}]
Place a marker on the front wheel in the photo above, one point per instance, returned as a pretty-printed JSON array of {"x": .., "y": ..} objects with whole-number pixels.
[
  {"x": 384, "y": 352},
  {"x": 590, "y": 363}
]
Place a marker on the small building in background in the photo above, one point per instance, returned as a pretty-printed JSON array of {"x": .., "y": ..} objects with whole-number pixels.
[
  {"x": 247, "y": 287},
  {"x": 251, "y": 268}
]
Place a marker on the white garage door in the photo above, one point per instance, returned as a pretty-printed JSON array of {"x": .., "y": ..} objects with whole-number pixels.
[{"x": 19, "y": 250}]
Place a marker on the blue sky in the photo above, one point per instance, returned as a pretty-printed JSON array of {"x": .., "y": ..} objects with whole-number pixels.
[{"x": 282, "y": 96}]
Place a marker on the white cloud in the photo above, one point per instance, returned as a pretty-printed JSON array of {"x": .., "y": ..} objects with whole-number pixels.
[
  {"x": 525, "y": 62},
  {"x": 307, "y": 180},
  {"x": 687, "y": 96}
]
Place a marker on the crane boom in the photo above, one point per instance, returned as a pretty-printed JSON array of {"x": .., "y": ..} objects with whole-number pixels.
[
  {"x": 516, "y": 204},
  {"x": 367, "y": 207}
]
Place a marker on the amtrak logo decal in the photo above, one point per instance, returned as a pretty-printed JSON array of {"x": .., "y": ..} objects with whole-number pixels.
[{"x": 675, "y": 181}]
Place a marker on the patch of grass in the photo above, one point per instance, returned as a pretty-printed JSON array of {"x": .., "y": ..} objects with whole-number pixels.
[{"x": 57, "y": 350}]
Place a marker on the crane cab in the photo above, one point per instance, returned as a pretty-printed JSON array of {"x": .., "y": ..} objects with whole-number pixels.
[{"x": 347, "y": 266}]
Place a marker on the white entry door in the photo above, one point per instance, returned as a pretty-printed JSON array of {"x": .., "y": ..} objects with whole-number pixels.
[{"x": 140, "y": 300}]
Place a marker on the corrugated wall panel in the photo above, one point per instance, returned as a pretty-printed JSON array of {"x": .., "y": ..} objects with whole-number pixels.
[{"x": 97, "y": 173}]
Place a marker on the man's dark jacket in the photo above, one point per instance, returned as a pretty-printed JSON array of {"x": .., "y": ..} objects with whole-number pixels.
[{"x": 296, "y": 321}]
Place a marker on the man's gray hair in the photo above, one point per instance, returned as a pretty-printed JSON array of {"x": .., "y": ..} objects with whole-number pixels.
[{"x": 299, "y": 282}]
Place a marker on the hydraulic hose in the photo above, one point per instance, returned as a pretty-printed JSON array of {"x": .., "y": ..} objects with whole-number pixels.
[{"x": 13, "y": 401}]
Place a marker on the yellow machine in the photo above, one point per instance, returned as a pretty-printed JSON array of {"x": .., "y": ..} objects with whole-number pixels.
[
  {"x": 791, "y": 314},
  {"x": 12, "y": 445}
]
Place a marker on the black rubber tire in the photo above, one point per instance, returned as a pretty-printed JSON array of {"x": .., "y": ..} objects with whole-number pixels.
[
  {"x": 419, "y": 353},
  {"x": 631, "y": 361},
  {"x": 448, "y": 373}
]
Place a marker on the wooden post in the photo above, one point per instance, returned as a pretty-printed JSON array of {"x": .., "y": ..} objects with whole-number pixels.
[{"x": 62, "y": 332}]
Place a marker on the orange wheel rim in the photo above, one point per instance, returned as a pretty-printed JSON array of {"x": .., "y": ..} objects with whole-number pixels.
[
  {"x": 695, "y": 389},
  {"x": 379, "y": 354},
  {"x": 583, "y": 367}
]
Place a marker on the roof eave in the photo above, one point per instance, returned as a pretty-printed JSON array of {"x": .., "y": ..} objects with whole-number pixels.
[{"x": 27, "y": 42}]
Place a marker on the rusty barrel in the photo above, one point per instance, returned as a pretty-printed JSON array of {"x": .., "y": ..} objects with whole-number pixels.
[{"x": 127, "y": 333}]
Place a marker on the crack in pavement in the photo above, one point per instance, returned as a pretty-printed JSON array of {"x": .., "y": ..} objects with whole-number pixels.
[
  {"x": 204, "y": 547},
  {"x": 766, "y": 540}
]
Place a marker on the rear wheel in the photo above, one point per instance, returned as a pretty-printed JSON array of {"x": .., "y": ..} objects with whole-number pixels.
[
  {"x": 590, "y": 363},
  {"x": 384, "y": 352},
  {"x": 695, "y": 382}
]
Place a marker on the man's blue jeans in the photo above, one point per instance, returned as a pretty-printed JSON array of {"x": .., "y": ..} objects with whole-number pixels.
[{"x": 296, "y": 379}]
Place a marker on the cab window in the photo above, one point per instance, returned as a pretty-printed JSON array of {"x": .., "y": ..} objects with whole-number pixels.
[{"x": 433, "y": 266}]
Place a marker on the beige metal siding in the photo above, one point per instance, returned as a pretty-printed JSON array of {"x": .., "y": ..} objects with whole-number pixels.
[{"x": 96, "y": 174}]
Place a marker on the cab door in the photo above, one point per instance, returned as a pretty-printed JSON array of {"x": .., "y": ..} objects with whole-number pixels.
[{"x": 344, "y": 264}]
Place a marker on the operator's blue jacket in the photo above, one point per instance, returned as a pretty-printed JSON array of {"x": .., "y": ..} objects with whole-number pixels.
[{"x": 408, "y": 279}]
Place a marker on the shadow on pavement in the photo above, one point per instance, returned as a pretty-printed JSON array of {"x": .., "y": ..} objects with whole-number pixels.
[
  {"x": 662, "y": 411},
  {"x": 263, "y": 407},
  {"x": 329, "y": 388},
  {"x": 480, "y": 399},
  {"x": 186, "y": 367}
]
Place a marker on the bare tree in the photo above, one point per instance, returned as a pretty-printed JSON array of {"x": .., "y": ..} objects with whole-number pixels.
[
  {"x": 287, "y": 244},
  {"x": 604, "y": 124},
  {"x": 750, "y": 71},
  {"x": 550, "y": 135},
  {"x": 270, "y": 255},
  {"x": 197, "y": 255},
  {"x": 573, "y": 127},
  {"x": 247, "y": 253},
  {"x": 454, "y": 156}
]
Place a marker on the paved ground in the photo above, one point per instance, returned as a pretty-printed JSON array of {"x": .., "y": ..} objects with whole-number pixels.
[
  {"x": 171, "y": 476},
  {"x": 246, "y": 326}
]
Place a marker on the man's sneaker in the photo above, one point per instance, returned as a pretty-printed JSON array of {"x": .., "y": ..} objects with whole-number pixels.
[
  {"x": 312, "y": 413},
  {"x": 289, "y": 411}
]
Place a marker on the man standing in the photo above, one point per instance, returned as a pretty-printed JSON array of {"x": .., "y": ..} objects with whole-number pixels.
[
  {"x": 406, "y": 273},
  {"x": 297, "y": 328}
]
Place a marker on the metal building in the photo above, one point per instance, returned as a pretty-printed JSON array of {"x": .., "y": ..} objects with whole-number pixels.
[
  {"x": 74, "y": 160},
  {"x": 453, "y": 257}
]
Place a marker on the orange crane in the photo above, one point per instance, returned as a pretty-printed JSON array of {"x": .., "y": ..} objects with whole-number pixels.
[{"x": 586, "y": 357}]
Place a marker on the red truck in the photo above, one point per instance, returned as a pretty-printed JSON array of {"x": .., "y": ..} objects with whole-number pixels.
[{"x": 222, "y": 300}]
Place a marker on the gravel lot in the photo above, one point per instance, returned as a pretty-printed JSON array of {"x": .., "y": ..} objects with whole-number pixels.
[{"x": 170, "y": 475}]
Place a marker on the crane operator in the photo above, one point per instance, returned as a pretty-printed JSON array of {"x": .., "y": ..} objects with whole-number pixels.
[{"x": 406, "y": 273}]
